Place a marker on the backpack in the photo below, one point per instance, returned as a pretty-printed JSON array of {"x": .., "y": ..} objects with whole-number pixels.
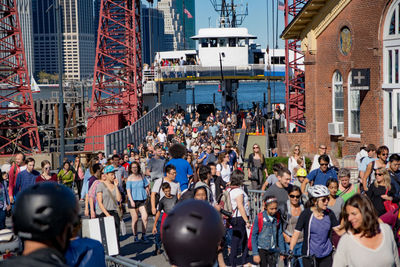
[
  {"x": 260, "y": 220},
  {"x": 187, "y": 194},
  {"x": 225, "y": 200}
]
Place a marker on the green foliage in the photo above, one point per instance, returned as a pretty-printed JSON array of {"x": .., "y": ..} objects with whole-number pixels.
[
  {"x": 271, "y": 161},
  {"x": 46, "y": 78}
]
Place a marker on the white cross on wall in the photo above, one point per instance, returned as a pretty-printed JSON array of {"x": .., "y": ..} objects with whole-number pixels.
[{"x": 359, "y": 77}]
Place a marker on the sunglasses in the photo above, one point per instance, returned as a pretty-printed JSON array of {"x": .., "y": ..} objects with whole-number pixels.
[
  {"x": 294, "y": 196},
  {"x": 324, "y": 199},
  {"x": 379, "y": 174},
  {"x": 324, "y": 164},
  {"x": 322, "y": 147},
  {"x": 255, "y": 147},
  {"x": 384, "y": 154}
]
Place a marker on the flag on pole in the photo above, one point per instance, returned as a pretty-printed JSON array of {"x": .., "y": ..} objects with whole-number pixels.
[
  {"x": 188, "y": 13},
  {"x": 281, "y": 5}
]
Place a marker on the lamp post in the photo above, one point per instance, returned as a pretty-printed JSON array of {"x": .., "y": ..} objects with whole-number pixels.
[{"x": 223, "y": 98}]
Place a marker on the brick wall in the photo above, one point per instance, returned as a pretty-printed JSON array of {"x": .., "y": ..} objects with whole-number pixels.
[{"x": 364, "y": 19}]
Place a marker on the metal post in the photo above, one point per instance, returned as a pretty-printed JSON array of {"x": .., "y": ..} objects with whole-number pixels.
[{"x": 60, "y": 81}]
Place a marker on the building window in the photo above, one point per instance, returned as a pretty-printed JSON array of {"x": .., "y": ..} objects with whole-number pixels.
[
  {"x": 354, "y": 109},
  {"x": 391, "y": 44},
  {"x": 338, "y": 109}
]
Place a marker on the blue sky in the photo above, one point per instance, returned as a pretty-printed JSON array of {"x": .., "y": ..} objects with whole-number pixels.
[{"x": 256, "y": 21}]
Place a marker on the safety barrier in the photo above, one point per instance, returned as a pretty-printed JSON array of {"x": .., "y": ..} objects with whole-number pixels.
[
  {"x": 134, "y": 134},
  {"x": 120, "y": 261},
  {"x": 255, "y": 197}
]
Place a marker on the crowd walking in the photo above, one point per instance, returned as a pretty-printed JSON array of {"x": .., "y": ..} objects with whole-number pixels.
[{"x": 312, "y": 215}]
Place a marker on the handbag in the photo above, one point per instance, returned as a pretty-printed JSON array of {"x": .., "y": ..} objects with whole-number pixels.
[
  {"x": 122, "y": 227},
  {"x": 157, "y": 198},
  {"x": 389, "y": 205}
]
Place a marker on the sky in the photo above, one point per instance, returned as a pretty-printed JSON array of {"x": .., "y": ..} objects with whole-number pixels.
[{"x": 256, "y": 21}]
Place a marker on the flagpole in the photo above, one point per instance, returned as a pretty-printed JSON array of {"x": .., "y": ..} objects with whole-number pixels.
[{"x": 184, "y": 30}]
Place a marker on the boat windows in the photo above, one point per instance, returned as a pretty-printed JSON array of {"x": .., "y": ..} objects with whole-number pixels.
[
  {"x": 213, "y": 42},
  {"x": 242, "y": 42},
  {"x": 277, "y": 60},
  {"x": 222, "y": 42},
  {"x": 232, "y": 42},
  {"x": 204, "y": 42}
]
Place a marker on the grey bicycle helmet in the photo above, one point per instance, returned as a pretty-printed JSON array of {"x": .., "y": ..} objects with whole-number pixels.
[
  {"x": 191, "y": 234},
  {"x": 43, "y": 210},
  {"x": 318, "y": 191}
]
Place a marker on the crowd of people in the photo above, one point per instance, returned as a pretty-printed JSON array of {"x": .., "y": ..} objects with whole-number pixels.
[{"x": 310, "y": 217}]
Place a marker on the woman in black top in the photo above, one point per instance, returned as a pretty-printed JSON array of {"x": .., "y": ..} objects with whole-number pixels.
[
  {"x": 256, "y": 166},
  {"x": 381, "y": 190}
]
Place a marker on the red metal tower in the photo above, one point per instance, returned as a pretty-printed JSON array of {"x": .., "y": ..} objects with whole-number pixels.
[
  {"x": 117, "y": 85},
  {"x": 18, "y": 126},
  {"x": 294, "y": 73}
]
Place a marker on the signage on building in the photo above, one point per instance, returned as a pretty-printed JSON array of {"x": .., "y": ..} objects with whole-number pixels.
[{"x": 360, "y": 79}]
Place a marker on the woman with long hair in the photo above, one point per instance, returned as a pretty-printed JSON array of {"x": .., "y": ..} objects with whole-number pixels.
[
  {"x": 367, "y": 242},
  {"x": 290, "y": 218},
  {"x": 295, "y": 157},
  {"x": 316, "y": 222},
  {"x": 256, "y": 167},
  {"x": 46, "y": 175},
  {"x": 381, "y": 190},
  {"x": 223, "y": 168},
  {"x": 79, "y": 173},
  {"x": 138, "y": 189}
]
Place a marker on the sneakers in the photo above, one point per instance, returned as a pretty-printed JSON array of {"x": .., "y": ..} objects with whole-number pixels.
[
  {"x": 144, "y": 238},
  {"x": 136, "y": 239}
]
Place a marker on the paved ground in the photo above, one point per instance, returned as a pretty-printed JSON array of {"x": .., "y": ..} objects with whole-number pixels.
[{"x": 141, "y": 251}]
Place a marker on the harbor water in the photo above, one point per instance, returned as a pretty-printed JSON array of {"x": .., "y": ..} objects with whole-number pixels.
[{"x": 248, "y": 93}]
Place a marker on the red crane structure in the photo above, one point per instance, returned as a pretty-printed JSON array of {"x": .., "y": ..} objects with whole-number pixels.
[
  {"x": 117, "y": 85},
  {"x": 18, "y": 125},
  {"x": 294, "y": 74}
]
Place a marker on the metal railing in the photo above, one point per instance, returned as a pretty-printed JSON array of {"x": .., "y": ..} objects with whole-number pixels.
[
  {"x": 256, "y": 203},
  {"x": 72, "y": 144},
  {"x": 197, "y": 71},
  {"x": 134, "y": 134},
  {"x": 120, "y": 261}
]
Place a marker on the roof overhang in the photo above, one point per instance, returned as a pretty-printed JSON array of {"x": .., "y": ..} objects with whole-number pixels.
[{"x": 303, "y": 18}]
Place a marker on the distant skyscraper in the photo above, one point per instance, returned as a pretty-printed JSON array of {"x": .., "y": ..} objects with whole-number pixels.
[
  {"x": 25, "y": 18},
  {"x": 78, "y": 38},
  {"x": 172, "y": 25},
  {"x": 152, "y": 32},
  {"x": 188, "y": 20}
]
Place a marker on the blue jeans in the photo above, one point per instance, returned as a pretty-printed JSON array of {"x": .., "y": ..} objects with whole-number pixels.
[
  {"x": 2, "y": 219},
  {"x": 297, "y": 252},
  {"x": 157, "y": 238}
]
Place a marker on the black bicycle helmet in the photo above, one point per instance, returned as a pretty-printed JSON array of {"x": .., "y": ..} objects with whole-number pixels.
[
  {"x": 191, "y": 234},
  {"x": 43, "y": 210}
]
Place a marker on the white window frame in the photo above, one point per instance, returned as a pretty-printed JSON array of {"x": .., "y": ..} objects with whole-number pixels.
[
  {"x": 391, "y": 42},
  {"x": 334, "y": 84},
  {"x": 349, "y": 122}
]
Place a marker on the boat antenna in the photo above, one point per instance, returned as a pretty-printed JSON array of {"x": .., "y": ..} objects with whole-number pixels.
[{"x": 231, "y": 14}]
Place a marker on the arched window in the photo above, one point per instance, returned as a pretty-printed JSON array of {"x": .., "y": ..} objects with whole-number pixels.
[
  {"x": 337, "y": 97},
  {"x": 354, "y": 110},
  {"x": 391, "y": 43}
]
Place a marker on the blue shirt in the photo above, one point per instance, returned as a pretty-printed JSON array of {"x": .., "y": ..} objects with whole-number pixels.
[
  {"x": 24, "y": 180},
  {"x": 232, "y": 158},
  {"x": 320, "y": 243},
  {"x": 138, "y": 189},
  {"x": 364, "y": 163},
  {"x": 205, "y": 161},
  {"x": 183, "y": 169},
  {"x": 320, "y": 177}
]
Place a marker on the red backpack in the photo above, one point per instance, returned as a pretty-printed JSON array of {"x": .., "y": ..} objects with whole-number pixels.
[{"x": 260, "y": 219}]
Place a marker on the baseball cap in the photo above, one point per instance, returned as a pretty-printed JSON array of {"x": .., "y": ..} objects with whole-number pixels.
[{"x": 109, "y": 168}]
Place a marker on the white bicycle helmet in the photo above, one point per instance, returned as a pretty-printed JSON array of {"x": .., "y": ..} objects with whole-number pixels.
[{"x": 318, "y": 191}]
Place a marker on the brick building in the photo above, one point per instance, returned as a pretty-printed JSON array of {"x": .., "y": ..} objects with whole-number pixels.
[{"x": 342, "y": 41}]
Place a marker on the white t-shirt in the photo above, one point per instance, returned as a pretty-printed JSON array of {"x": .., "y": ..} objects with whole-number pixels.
[
  {"x": 225, "y": 172},
  {"x": 234, "y": 193},
  {"x": 161, "y": 137}
]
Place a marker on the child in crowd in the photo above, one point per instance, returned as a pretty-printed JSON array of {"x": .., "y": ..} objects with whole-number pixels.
[
  {"x": 267, "y": 243},
  {"x": 165, "y": 205},
  {"x": 301, "y": 174}
]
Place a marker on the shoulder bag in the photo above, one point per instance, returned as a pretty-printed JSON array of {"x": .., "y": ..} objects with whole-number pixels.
[
  {"x": 119, "y": 208},
  {"x": 148, "y": 200},
  {"x": 389, "y": 205}
]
